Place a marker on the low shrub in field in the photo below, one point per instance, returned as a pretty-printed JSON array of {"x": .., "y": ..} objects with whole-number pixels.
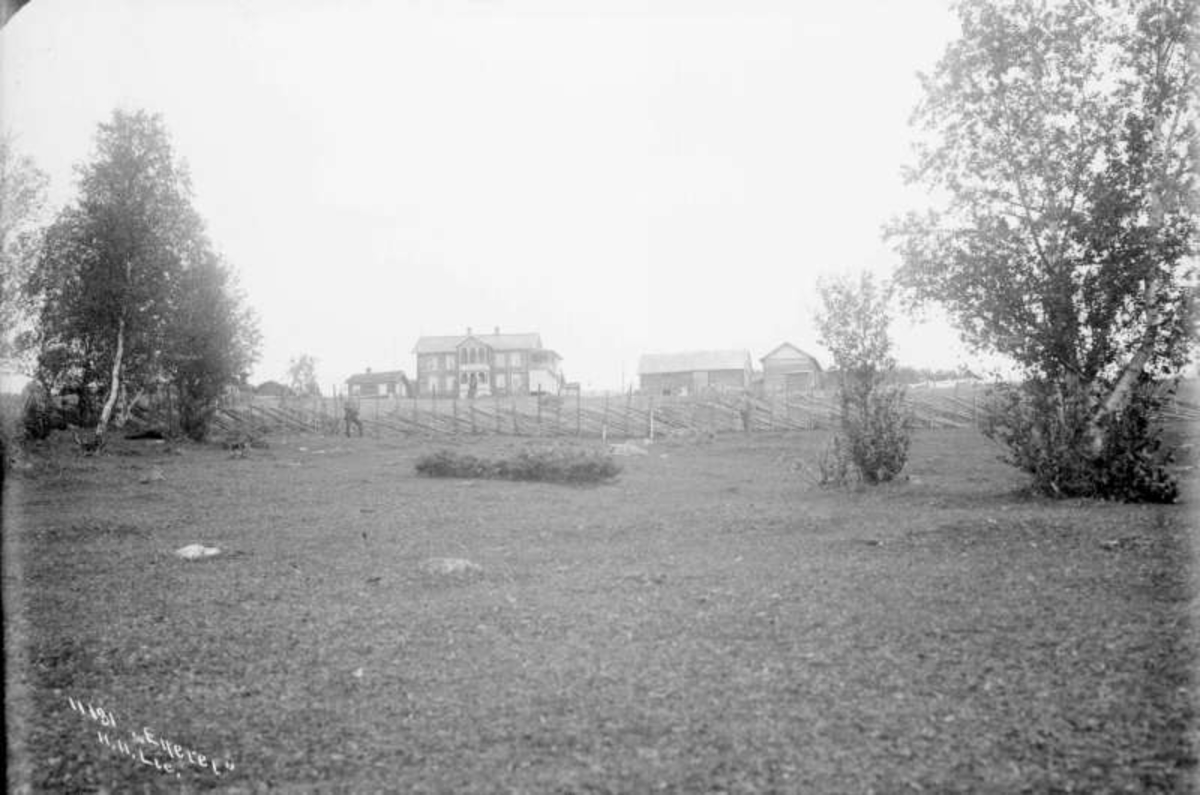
[
  {"x": 876, "y": 423},
  {"x": 834, "y": 465},
  {"x": 548, "y": 464},
  {"x": 1046, "y": 430}
]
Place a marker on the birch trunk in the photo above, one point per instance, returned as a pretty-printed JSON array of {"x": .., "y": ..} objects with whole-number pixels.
[{"x": 115, "y": 386}]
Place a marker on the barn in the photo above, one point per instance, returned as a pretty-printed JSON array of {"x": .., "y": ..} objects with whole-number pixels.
[
  {"x": 694, "y": 372},
  {"x": 391, "y": 383},
  {"x": 789, "y": 369}
]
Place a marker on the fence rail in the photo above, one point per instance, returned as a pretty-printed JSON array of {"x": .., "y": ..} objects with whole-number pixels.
[{"x": 614, "y": 416}]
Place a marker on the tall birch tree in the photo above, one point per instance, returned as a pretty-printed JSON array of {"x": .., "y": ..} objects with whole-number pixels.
[
  {"x": 1059, "y": 138},
  {"x": 108, "y": 272}
]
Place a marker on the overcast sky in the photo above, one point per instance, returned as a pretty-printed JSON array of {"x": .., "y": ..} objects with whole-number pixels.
[{"x": 622, "y": 177}]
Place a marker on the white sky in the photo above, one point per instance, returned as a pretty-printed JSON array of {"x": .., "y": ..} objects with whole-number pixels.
[{"x": 622, "y": 177}]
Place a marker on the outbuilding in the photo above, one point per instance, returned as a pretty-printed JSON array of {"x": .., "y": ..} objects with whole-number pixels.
[
  {"x": 694, "y": 372},
  {"x": 388, "y": 383},
  {"x": 789, "y": 369}
]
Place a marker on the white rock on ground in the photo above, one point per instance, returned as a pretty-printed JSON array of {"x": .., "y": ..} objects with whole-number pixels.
[
  {"x": 196, "y": 551},
  {"x": 450, "y": 566}
]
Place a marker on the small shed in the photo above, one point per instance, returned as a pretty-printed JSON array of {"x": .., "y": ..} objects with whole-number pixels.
[
  {"x": 693, "y": 372},
  {"x": 387, "y": 383},
  {"x": 789, "y": 369}
]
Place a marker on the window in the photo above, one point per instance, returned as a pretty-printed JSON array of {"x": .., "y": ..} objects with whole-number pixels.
[
  {"x": 500, "y": 380},
  {"x": 515, "y": 359},
  {"x": 483, "y": 378},
  {"x": 450, "y": 362},
  {"x": 431, "y": 385},
  {"x": 518, "y": 380},
  {"x": 502, "y": 360},
  {"x": 462, "y": 379}
]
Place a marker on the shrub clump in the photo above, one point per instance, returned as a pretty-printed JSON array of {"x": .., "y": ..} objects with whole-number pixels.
[
  {"x": 853, "y": 323},
  {"x": 547, "y": 464},
  {"x": 39, "y": 414},
  {"x": 876, "y": 423},
  {"x": 834, "y": 466},
  {"x": 1047, "y": 430}
]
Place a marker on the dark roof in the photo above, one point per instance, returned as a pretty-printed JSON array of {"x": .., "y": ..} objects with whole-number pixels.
[
  {"x": 497, "y": 342},
  {"x": 383, "y": 377},
  {"x": 692, "y": 361}
]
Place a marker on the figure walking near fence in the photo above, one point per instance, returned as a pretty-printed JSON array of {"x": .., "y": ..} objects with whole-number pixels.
[{"x": 352, "y": 417}]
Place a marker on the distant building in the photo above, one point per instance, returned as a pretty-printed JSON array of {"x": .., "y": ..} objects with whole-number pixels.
[
  {"x": 693, "y": 372},
  {"x": 789, "y": 369},
  {"x": 273, "y": 389},
  {"x": 480, "y": 365},
  {"x": 388, "y": 383}
]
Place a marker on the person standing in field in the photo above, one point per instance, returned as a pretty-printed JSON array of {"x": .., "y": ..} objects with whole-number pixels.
[
  {"x": 352, "y": 417},
  {"x": 746, "y": 409}
]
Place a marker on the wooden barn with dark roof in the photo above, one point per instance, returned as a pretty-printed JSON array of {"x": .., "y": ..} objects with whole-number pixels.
[{"x": 693, "y": 372}]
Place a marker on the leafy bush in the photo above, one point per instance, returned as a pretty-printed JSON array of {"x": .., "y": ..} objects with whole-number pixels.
[
  {"x": 853, "y": 322},
  {"x": 876, "y": 424},
  {"x": 39, "y": 414},
  {"x": 834, "y": 465},
  {"x": 548, "y": 464},
  {"x": 1046, "y": 430}
]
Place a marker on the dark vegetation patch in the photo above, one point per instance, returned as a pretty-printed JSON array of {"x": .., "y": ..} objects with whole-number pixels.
[
  {"x": 664, "y": 632},
  {"x": 556, "y": 464}
]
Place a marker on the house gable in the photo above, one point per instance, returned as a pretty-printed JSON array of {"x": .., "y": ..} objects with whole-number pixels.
[{"x": 787, "y": 353}]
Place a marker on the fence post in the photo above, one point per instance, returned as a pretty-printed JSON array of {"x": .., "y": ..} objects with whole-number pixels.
[
  {"x": 651, "y": 418},
  {"x": 454, "y": 415},
  {"x": 579, "y": 412}
]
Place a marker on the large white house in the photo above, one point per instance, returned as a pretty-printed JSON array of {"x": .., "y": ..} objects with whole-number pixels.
[{"x": 479, "y": 365}]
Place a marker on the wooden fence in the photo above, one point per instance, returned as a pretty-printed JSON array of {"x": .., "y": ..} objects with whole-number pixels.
[{"x": 615, "y": 416}]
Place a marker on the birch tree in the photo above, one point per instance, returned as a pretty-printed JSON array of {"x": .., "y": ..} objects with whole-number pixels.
[
  {"x": 111, "y": 261},
  {"x": 22, "y": 201},
  {"x": 1059, "y": 138}
]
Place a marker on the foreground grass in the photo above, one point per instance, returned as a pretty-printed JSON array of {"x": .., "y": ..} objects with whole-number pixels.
[{"x": 706, "y": 623}]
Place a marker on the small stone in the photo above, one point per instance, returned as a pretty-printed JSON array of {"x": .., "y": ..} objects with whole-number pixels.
[
  {"x": 196, "y": 552},
  {"x": 450, "y": 566}
]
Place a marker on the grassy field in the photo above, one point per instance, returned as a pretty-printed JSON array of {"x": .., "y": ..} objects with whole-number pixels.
[{"x": 709, "y": 622}]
